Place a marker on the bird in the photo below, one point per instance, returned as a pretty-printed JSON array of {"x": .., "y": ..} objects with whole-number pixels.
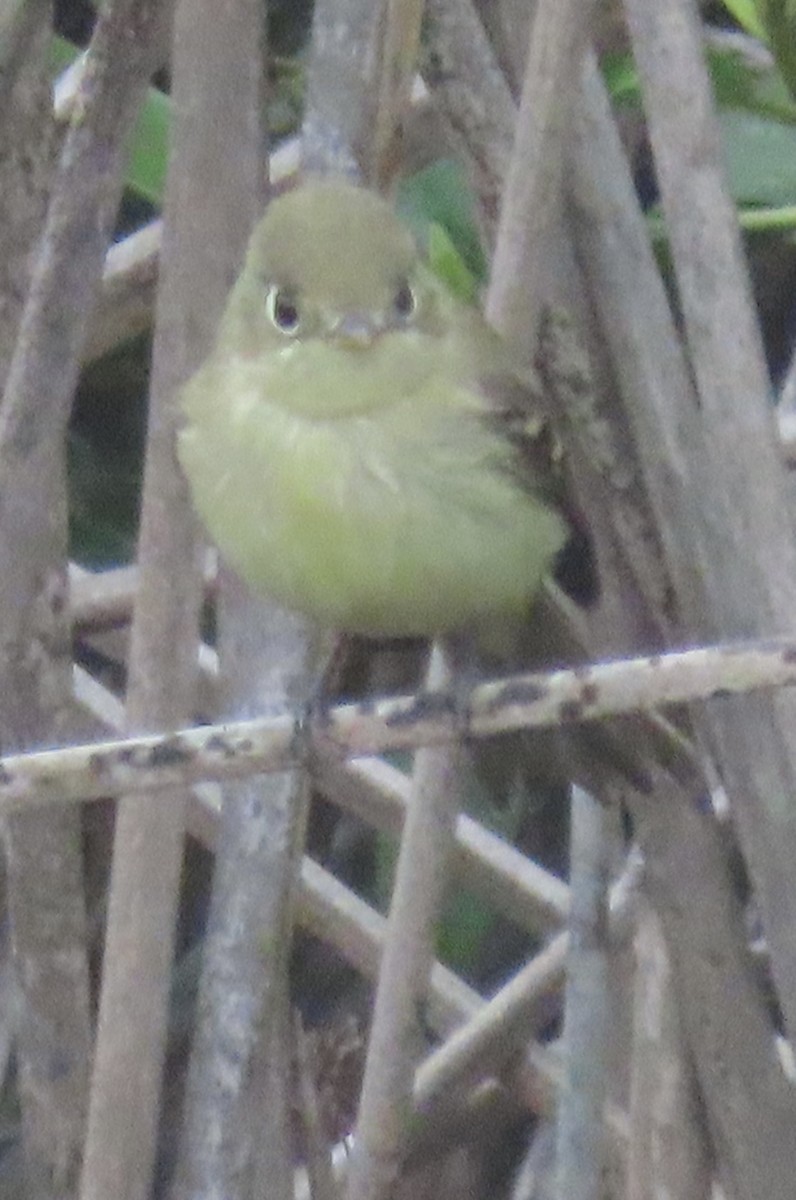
[{"x": 361, "y": 445}]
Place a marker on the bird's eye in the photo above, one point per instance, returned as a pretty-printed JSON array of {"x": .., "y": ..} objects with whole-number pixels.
[
  {"x": 404, "y": 301},
  {"x": 283, "y": 310}
]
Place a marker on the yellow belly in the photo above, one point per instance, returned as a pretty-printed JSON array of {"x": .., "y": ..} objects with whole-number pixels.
[{"x": 370, "y": 524}]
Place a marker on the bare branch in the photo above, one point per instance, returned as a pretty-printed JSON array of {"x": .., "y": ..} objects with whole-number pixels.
[
  {"x": 399, "y": 46},
  {"x": 397, "y": 1034},
  {"x": 481, "y": 119},
  {"x": 378, "y": 793},
  {"x": 275, "y": 743},
  {"x": 744, "y": 516},
  {"x": 341, "y": 93},
  {"x": 749, "y": 1102},
  {"x": 85, "y": 198},
  {"x": 579, "y": 1133},
  {"x": 492, "y": 1034},
  {"x": 664, "y": 414},
  {"x": 44, "y": 858},
  {"x": 331, "y": 911},
  {"x": 532, "y": 193},
  {"x": 664, "y": 1105},
  {"x": 127, "y": 299},
  {"x": 205, "y": 227},
  {"x": 514, "y": 884},
  {"x": 27, "y": 147},
  {"x": 238, "y": 1080}
]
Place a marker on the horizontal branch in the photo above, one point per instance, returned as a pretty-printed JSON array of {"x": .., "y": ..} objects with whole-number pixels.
[
  {"x": 428, "y": 718},
  {"x": 376, "y": 792}
]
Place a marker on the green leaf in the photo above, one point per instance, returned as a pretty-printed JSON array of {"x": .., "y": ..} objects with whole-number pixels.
[
  {"x": 760, "y": 155},
  {"x": 62, "y": 54},
  {"x": 449, "y": 266},
  {"x": 751, "y": 220},
  {"x": 466, "y": 922},
  {"x": 747, "y": 14},
  {"x": 146, "y": 167},
  {"x": 739, "y": 84},
  {"x": 441, "y": 195},
  {"x": 779, "y": 17},
  {"x": 768, "y": 220},
  {"x": 621, "y": 78},
  {"x": 149, "y": 156}
]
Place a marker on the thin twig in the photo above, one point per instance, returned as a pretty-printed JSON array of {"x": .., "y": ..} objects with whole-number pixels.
[
  {"x": 395, "y": 1045},
  {"x": 201, "y": 244},
  {"x": 275, "y": 743},
  {"x": 243, "y": 998},
  {"x": 664, "y": 1106},
  {"x": 517, "y": 887},
  {"x": 338, "y": 126},
  {"x": 44, "y": 856},
  {"x": 579, "y": 1132},
  {"x": 532, "y": 193},
  {"x": 129, "y": 284},
  {"x": 400, "y": 41},
  {"x": 482, "y": 118},
  {"x": 338, "y": 916},
  {"x": 320, "y": 1172},
  {"x": 493, "y": 1032}
]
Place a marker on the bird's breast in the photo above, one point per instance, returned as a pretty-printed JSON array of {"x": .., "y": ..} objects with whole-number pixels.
[{"x": 394, "y": 520}]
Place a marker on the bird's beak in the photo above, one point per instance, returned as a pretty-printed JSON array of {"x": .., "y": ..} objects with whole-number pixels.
[{"x": 355, "y": 332}]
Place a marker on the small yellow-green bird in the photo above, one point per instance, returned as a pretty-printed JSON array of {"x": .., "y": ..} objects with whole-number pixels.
[{"x": 358, "y": 443}]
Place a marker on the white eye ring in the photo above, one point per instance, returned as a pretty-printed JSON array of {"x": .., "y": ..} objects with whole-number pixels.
[
  {"x": 283, "y": 311},
  {"x": 405, "y": 301}
]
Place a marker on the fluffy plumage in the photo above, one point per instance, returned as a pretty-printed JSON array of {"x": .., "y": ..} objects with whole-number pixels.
[{"x": 357, "y": 443}]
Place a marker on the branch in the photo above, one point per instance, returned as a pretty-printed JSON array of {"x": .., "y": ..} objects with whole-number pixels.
[
  {"x": 399, "y": 46},
  {"x": 664, "y": 1108},
  {"x": 338, "y": 126},
  {"x": 397, "y": 1034},
  {"x": 534, "y": 701},
  {"x": 580, "y": 1149},
  {"x": 744, "y": 530},
  {"x": 86, "y": 195},
  {"x": 208, "y": 212},
  {"x": 532, "y": 196},
  {"x": 482, "y": 118},
  {"x": 726, "y": 1039},
  {"x": 43, "y": 855}
]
